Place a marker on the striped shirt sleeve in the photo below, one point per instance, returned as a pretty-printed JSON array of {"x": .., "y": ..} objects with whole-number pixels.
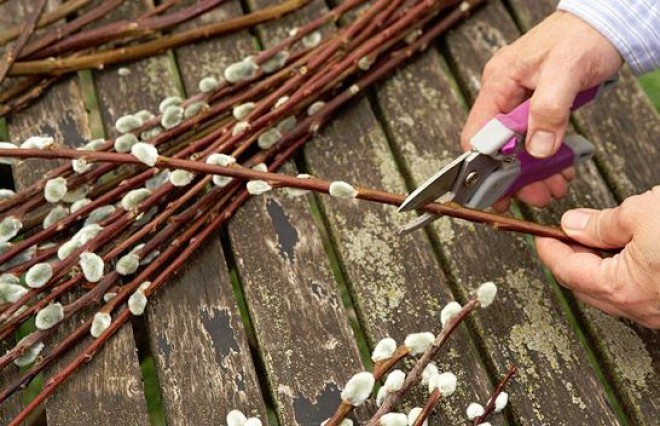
[{"x": 632, "y": 26}]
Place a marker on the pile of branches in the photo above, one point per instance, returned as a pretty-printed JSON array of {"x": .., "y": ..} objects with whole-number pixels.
[{"x": 101, "y": 234}]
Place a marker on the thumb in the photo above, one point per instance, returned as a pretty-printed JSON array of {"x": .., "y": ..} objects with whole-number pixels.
[
  {"x": 550, "y": 110},
  {"x": 609, "y": 228}
]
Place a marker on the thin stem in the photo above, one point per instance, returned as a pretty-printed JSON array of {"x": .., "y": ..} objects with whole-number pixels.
[
  {"x": 28, "y": 29},
  {"x": 490, "y": 407},
  {"x": 431, "y": 402}
]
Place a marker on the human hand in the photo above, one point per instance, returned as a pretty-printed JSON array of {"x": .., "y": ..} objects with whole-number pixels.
[
  {"x": 556, "y": 60},
  {"x": 627, "y": 284}
]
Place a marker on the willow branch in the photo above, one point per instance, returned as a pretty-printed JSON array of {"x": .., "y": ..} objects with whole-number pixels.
[
  {"x": 28, "y": 29},
  {"x": 490, "y": 407},
  {"x": 131, "y": 53},
  {"x": 431, "y": 402},
  {"x": 46, "y": 19}
]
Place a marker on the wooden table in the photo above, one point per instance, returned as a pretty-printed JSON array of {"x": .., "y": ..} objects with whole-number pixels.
[{"x": 280, "y": 309}]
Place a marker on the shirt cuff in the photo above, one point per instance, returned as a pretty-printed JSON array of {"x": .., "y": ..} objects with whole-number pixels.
[{"x": 632, "y": 26}]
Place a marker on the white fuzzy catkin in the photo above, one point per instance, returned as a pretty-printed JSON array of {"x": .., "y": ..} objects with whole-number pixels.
[
  {"x": 243, "y": 110},
  {"x": 501, "y": 401},
  {"x": 241, "y": 71},
  {"x": 125, "y": 142},
  {"x": 54, "y": 215},
  {"x": 287, "y": 124},
  {"x": 261, "y": 167},
  {"x": 486, "y": 293},
  {"x": 181, "y": 178},
  {"x": 67, "y": 248},
  {"x": 414, "y": 414},
  {"x": 384, "y": 349},
  {"x": 6, "y": 193},
  {"x": 345, "y": 422},
  {"x": 92, "y": 266},
  {"x": 194, "y": 108},
  {"x": 37, "y": 142},
  {"x": 365, "y": 63},
  {"x": 222, "y": 160},
  {"x": 93, "y": 145},
  {"x": 240, "y": 127},
  {"x": 429, "y": 371},
  {"x": 128, "y": 123},
  {"x": 38, "y": 275},
  {"x": 9, "y": 293},
  {"x": 124, "y": 72},
  {"x": 315, "y": 107},
  {"x": 100, "y": 323},
  {"x": 49, "y": 316},
  {"x": 208, "y": 84},
  {"x": 172, "y": 117},
  {"x": 151, "y": 133},
  {"x": 358, "y": 388},
  {"x": 258, "y": 187},
  {"x": 80, "y": 165},
  {"x": 99, "y": 214},
  {"x": 312, "y": 39},
  {"x": 146, "y": 153},
  {"x": 30, "y": 354},
  {"x": 394, "y": 419},
  {"x": 381, "y": 395},
  {"x": 474, "y": 410},
  {"x": 137, "y": 302},
  {"x": 144, "y": 115},
  {"x": 280, "y": 102},
  {"x": 55, "y": 189},
  {"x": 9, "y": 228},
  {"x": 77, "y": 205},
  {"x": 150, "y": 257},
  {"x": 168, "y": 102},
  {"x": 276, "y": 62},
  {"x": 418, "y": 343},
  {"x": 87, "y": 233},
  {"x": 109, "y": 296},
  {"x": 133, "y": 198},
  {"x": 449, "y": 311},
  {"x": 236, "y": 418},
  {"x": 394, "y": 381},
  {"x": 128, "y": 264},
  {"x": 341, "y": 189},
  {"x": 484, "y": 423},
  {"x": 253, "y": 421},
  {"x": 446, "y": 383},
  {"x": 269, "y": 138}
]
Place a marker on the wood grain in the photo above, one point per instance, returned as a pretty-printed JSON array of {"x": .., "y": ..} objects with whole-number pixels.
[
  {"x": 555, "y": 384},
  {"x": 630, "y": 353},
  {"x": 196, "y": 316},
  {"x": 397, "y": 287}
]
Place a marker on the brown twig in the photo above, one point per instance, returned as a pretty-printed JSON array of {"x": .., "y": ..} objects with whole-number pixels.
[
  {"x": 490, "y": 407},
  {"x": 416, "y": 373},
  {"x": 431, "y": 402},
  {"x": 131, "y": 53},
  {"x": 28, "y": 29}
]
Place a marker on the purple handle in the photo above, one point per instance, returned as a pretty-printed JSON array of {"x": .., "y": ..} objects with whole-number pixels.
[
  {"x": 517, "y": 119},
  {"x": 534, "y": 169}
]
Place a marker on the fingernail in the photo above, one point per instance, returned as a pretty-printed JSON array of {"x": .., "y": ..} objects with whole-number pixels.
[
  {"x": 542, "y": 144},
  {"x": 575, "y": 220}
]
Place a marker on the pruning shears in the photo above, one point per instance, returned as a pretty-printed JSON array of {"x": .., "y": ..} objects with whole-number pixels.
[{"x": 498, "y": 164}]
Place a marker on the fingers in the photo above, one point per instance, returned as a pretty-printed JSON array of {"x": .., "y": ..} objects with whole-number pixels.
[
  {"x": 500, "y": 92},
  {"x": 579, "y": 270},
  {"x": 610, "y": 228},
  {"x": 601, "y": 305},
  {"x": 550, "y": 109}
]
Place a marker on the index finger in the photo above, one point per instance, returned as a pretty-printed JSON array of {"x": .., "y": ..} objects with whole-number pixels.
[{"x": 499, "y": 94}]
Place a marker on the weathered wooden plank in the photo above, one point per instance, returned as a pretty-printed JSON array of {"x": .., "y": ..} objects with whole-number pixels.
[
  {"x": 108, "y": 385},
  {"x": 630, "y": 353},
  {"x": 196, "y": 315},
  {"x": 397, "y": 288},
  {"x": 555, "y": 384}
]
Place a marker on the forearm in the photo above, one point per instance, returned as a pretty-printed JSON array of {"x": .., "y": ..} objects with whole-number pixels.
[{"x": 632, "y": 26}]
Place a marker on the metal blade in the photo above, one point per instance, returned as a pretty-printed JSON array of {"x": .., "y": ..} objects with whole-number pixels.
[
  {"x": 436, "y": 186},
  {"x": 419, "y": 222}
]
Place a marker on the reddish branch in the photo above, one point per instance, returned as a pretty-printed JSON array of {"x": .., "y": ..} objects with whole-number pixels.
[{"x": 490, "y": 407}]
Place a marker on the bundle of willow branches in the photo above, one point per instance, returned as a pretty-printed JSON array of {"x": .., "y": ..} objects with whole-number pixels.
[{"x": 108, "y": 229}]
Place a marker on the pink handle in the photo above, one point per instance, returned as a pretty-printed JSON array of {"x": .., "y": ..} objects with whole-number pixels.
[
  {"x": 517, "y": 119},
  {"x": 533, "y": 169}
]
